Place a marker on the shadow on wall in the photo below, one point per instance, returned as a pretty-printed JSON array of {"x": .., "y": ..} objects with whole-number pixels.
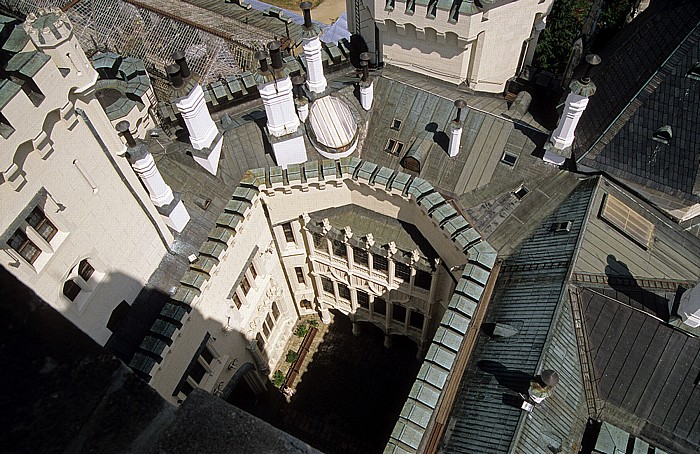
[
  {"x": 628, "y": 291},
  {"x": 63, "y": 392},
  {"x": 348, "y": 397}
]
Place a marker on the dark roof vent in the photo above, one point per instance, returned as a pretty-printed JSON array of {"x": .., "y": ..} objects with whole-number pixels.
[
  {"x": 179, "y": 57},
  {"x": 123, "y": 129},
  {"x": 549, "y": 378},
  {"x": 694, "y": 72},
  {"x": 174, "y": 75},
  {"x": 663, "y": 134}
]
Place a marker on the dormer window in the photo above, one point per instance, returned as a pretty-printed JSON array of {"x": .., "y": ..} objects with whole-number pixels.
[
  {"x": 389, "y": 5},
  {"x": 694, "y": 72},
  {"x": 663, "y": 134}
]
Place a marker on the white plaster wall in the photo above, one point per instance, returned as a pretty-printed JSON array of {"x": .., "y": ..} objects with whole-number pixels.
[
  {"x": 105, "y": 226},
  {"x": 213, "y": 310},
  {"x": 438, "y": 48}
]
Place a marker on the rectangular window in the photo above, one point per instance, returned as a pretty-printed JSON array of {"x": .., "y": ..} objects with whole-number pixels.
[
  {"x": 320, "y": 243},
  {"x": 398, "y": 313},
  {"x": 343, "y": 291},
  {"x": 270, "y": 323},
  {"x": 236, "y": 300},
  {"x": 379, "y": 306},
  {"x": 39, "y": 222},
  {"x": 416, "y": 320},
  {"x": 626, "y": 221},
  {"x": 207, "y": 355},
  {"x": 71, "y": 290},
  {"x": 360, "y": 256},
  {"x": 288, "y": 232},
  {"x": 24, "y": 246},
  {"x": 402, "y": 271},
  {"x": 422, "y": 279},
  {"x": 327, "y": 285},
  {"x": 253, "y": 271},
  {"x": 339, "y": 249},
  {"x": 85, "y": 270},
  {"x": 363, "y": 299},
  {"x": 260, "y": 341},
  {"x": 245, "y": 285},
  {"x": 380, "y": 263},
  {"x": 275, "y": 311},
  {"x": 186, "y": 388},
  {"x": 198, "y": 372},
  {"x": 300, "y": 275},
  {"x": 266, "y": 330}
]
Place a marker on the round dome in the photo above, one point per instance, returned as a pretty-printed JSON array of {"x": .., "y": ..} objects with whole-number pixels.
[{"x": 333, "y": 125}]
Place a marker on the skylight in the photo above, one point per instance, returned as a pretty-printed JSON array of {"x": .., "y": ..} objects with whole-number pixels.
[{"x": 628, "y": 222}]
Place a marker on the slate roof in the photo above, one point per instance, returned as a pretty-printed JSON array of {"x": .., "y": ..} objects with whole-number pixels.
[
  {"x": 642, "y": 86},
  {"x": 645, "y": 372},
  {"x": 486, "y": 413},
  {"x": 487, "y": 133}
]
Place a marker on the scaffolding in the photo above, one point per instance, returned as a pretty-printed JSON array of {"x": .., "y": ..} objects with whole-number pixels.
[{"x": 151, "y": 30}]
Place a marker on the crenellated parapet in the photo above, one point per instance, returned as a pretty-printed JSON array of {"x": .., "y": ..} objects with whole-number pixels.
[{"x": 330, "y": 183}]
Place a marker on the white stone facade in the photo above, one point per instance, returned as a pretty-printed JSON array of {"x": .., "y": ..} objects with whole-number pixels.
[
  {"x": 260, "y": 271},
  {"x": 481, "y": 47},
  {"x": 78, "y": 227}
]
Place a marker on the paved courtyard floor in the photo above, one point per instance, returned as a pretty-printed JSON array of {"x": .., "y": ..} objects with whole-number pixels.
[{"x": 349, "y": 393}]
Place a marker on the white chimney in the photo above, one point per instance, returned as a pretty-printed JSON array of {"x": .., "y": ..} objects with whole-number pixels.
[
  {"x": 171, "y": 208},
  {"x": 275, "y": 88},
  {"x": 311, "y": 43},
  {"x": 456, "y": 129},
  {"x": 366, "y": 84},
  {"x": 204, "y": 135},
  {"x": 576, "y": 102}
]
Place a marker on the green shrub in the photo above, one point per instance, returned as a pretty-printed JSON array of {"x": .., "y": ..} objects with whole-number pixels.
[
  {"x": 291, "y": 356},
  {"x": 278, "y": 378},
  {"x": 313, "y": 323},
  {"x": 301, "y": 330}
]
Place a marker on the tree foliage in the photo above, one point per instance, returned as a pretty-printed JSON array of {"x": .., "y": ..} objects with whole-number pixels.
[{"x": 564, "y": 26}]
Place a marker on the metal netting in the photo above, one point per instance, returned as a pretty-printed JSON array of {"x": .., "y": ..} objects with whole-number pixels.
[{"x": 138, "y": 31}]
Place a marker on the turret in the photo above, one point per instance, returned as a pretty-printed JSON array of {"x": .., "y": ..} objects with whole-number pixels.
[{"x": 52, "y": 33}]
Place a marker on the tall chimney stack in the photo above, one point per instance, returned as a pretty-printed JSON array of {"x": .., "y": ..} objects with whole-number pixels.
[
  {"x": 170, "y": 208},
  {"x": 366, "y": 84},
  {"x": 456, "y": 129},
  {"x": 311, "y": 43},
  {"x": 188, "y": 95},
  {"x": 576, "y": 102}
]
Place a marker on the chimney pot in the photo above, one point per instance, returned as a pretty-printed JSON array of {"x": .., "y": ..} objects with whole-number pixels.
[
  {"x": 275, "y": 54},
  {"x": 460, "y": 104},
  {"x": 179, "y": 57},
  {"x": 306, "y": 7},
  {"x": 123, "y": 129},
  {"x": 365, "y": 57},
  {"x": 261, "y": 56},
  {"x": 174, "y": 75},
  {"x": 591, "y": 60}
]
